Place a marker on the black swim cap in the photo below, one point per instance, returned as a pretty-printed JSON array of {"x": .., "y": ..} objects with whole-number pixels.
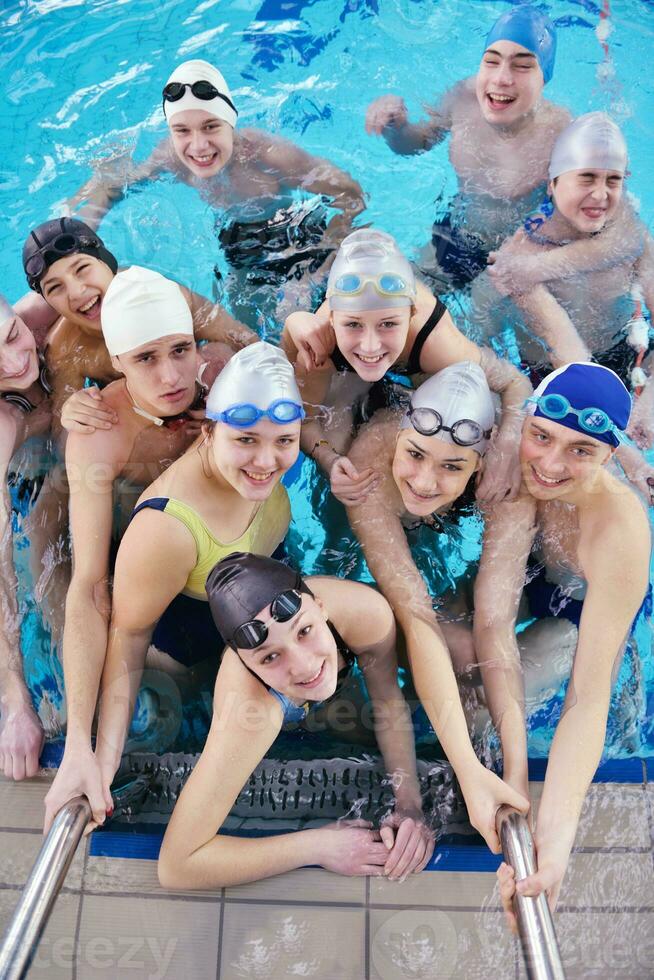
[
  {"x": 56, "y": 239},
  {"x": 241, "y": 585}
]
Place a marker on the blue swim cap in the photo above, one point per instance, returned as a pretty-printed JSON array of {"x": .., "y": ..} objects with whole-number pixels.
[
  {"x": 530, "y": 28},
  {"x": 587, "y": 386}
]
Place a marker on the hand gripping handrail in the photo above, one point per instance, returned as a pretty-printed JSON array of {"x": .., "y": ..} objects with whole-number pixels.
[
  {"x": 49, "y": 873},
  {"x": 39, "y": 895},
  {"x": 540, "y": 947}
]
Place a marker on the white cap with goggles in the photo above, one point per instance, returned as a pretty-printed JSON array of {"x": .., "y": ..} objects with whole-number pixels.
[
  {"x": 256, "y": 382},
  {"x": 198, "y": 85},
  {"x": 370, "y": 273}
]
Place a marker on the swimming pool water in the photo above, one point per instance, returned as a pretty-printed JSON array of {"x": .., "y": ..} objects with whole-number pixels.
[{"x": 82, "y": 82}]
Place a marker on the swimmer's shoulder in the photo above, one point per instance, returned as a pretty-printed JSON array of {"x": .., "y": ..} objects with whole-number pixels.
[
  {"x": 460, "y": 101},
  {"x": 375, "y": 441},
  {"x": 553, "y": 117},
  {"x": 618, "y": 524},
  {"x": 361, "y": 615}
]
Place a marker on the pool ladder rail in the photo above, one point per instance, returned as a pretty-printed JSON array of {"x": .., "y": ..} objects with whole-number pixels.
[
  {"x": 32, "y": 913},
  {"x": 540, "y": 948},
  {"x": 535, "y": 926}
]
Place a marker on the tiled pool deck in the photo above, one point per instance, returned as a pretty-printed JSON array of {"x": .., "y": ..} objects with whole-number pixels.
[{"x": 113, "y": 918}]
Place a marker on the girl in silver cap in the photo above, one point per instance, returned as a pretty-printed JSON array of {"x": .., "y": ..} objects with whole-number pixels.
[
  {"x": 428, "y": 461},
  {"x": 222, "y": 495},
  {"x": 361, "y": 350},
  {"x": 597, "y": 312}
]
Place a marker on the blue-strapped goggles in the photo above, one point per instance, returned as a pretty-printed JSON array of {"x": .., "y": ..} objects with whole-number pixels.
[
  {"x": 282, "y": 411},
  {"x": 594, "y": 421},
  {"x": 388, "y": 284}
]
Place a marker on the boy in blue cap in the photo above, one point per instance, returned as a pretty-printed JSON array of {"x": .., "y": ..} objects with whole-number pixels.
[
  {"x": 588, "y": 578},
  {"x": 502, "y": 133}
]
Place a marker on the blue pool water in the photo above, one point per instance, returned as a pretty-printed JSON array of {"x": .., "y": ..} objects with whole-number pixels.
[{"x": 82, "y": 82}]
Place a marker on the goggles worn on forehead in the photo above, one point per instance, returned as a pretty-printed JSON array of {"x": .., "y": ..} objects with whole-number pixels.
[
  {"x": 202, "y": 90},
  {"x": 282, "y": 411},
  {"x": 64, "y": 244},
  {"x": 465, "y": 432},
  {"x": 388, "y": 284},
  {"x": 594, "y": 421},
  {"x": 252, "y": 634}
]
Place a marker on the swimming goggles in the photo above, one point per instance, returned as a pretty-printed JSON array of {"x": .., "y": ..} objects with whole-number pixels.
[
  {"x": 282, "y": 411},
  {"x": 202, "y": 90},
  {"x": 252, "y": 634},
  {"x": 388, "y": 284},
  {"x": 465, "y": 432},
  {"x": 595, "y": 421},
  {"x": 64, "y": 244}
]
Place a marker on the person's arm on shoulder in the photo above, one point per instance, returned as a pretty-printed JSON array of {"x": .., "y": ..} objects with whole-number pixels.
[
  {"x": 21, "y": 735},
  {"x": 92, "y": 464},
  {"x": 308, "y": 338},
  {"x": 246, "y": 720},
  {"x": 152, "y": 541},
  {"x": 508, "y": 534},
  {"x": 372, "y": 637},
  {"x": 66, "y": 375},
  {"x": 388, "y": 116},
  {"x": 389, "y": 558},
  {"x": 211, "y": 321},
  {"x": 109, "y": 182},
  {"x": 545, "y": 317},
  {"x": 620, "y": 241},
  {"x": 618, "y": 565}
]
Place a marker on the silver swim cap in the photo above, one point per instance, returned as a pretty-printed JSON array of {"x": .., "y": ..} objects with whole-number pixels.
[
  {"x": 591, "y": 141},
  {"x": 213, "y": 96},
  {"x": 259, "y": 376},
  {"x": 140, "y": 306},
  {"x": 455, "y": 405},
  {"x": 370, "y": 273},
  {"x": 6, "y": 309}
]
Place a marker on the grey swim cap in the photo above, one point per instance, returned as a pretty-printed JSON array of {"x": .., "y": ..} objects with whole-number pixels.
[
  {"x": 458, "y": 393},
  {"x": 258, "y": 375},
  {"x": 372, "y": 255},
  {"x": 6, "y": 309},
  {"x": 591, "y": 141}
]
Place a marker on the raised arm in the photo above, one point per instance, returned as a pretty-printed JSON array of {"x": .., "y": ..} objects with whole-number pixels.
[
  {"x": 388, "y": 116},
  {"x": 508, "y": 534},
  {"x": 389, "y": 558},
  {"x": 87, "y": 615},
  {"x": 618, "y": 564},
  {"x": 152, "y": 541},
  {"x": 108, "y": 184},
  {"x": 246, "y": 720}
]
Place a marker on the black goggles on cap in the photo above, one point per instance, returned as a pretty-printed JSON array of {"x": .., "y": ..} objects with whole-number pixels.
[
  {"x": 202, "y": 90},
  {"x": 64, "y": 244},
  {"x": 284, "y": 606},
  {"x": 465, "y": 432}
]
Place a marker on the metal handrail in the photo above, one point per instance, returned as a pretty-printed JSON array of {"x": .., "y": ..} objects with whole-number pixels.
[
  {"x": 39, "y": 895},
  {"x": 540, "y": 947}
]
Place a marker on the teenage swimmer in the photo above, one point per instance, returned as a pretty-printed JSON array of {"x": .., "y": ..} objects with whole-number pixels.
[
  {"x": 25, "y": 411},
  {"x": 502, "y": 133},
  {"x": 590, "y": 566},
  {"x": 376, "y": 330},
  {"x": 426, "y": 462},
  {"x": 248, "y": 174},
  {"x": 148, "y": 331},
  {"x": 69, "y": 265},
  {"x": 290, "y": 645},
  {"x": 223, "y": 495},
  {"x": 588, "y": 314}
]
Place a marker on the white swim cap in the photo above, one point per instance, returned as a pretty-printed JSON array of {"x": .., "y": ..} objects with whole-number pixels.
[
  {"x": 458, "y": 397},
  {"x": 139, "y": 306},
  {"x": 591, "y": 141},
  {"x": 370, "y": 273},
  {"x": 6, "y": 309},
  {"x": 188, "y": 74},
  {"x": 258, "y": 375}
]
